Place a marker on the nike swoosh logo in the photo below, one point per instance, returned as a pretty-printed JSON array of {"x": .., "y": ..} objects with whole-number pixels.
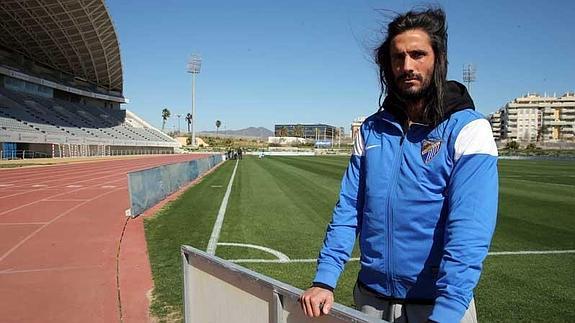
[{"x": 372, "y": 146}]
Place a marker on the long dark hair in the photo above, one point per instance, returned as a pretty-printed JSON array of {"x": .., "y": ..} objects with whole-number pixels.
[{"x": 432, "y": 21}]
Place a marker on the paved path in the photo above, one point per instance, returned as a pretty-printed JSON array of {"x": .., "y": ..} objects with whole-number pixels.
[{"x": 60, "y": 230}]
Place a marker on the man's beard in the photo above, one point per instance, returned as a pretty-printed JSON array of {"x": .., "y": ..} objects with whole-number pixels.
[{"x": 413, "y": 94}]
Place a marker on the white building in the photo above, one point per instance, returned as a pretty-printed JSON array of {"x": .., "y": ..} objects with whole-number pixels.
[
  {"x": 495, "y": 121},
  {"x": 536, "y": 118}
]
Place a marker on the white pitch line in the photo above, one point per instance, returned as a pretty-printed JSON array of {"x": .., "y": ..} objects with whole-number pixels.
[
  {"x": 496, "y": 253},
  {"x": 220, "y": 219},
  {"x": 281, "y": 256},
  {"x": 529, "y": 252}
]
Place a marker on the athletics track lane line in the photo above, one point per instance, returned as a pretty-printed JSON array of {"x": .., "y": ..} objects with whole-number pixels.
[
  {"x": 80, "y": 175},
  {"x": 133, "y": 312},
  {"x": 67, "y": 180},
  {"x": 117, "y": 171},
  {"x": 21, "y": 242},
  {"x": 83, "y": 169},
  {"x": 212, "y": 245},
  {"x": 122, "y": 170},
  {"x": 48, "y": 199}
]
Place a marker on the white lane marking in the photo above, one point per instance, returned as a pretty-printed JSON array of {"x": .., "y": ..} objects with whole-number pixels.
[
  {"x": 7, "y": 253},
  {"x": 108, "y": 186},
  {"x": 59, "y": 194},
  {"x": 495, "y": 253},
  {"x": 221, "y": 213},
  {"x": 281, "y": 256},
  {"x": 23, "y": 223},
  {"x": 39, "y": 185},
  {"x": 6, "y": 185},
  {"x": 13, "y": 271},
  {"x": 74, "y": 186}
]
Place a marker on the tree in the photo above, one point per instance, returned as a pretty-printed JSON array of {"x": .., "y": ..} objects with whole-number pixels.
[
  {"x": 283, "y": 132},
  {"x": 165, "y": 115},
  {"x": 218, "y": 124},
  {"x": 512, "y": 145},
  {"x": 299, "y": 131},
  {"x": 189, "y": 120}
]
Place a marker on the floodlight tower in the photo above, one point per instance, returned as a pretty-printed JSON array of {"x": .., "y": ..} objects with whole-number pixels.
[
  {"x": 194, "y": 65},
  {"x": 468, "y": 75}
]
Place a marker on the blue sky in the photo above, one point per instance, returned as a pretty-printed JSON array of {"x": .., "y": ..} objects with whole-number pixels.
[{"x": 268, "y": 62}]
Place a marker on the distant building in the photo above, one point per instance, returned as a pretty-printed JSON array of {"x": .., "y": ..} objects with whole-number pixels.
[
  {"x": 307, "y": 131},
  {"x": 286, "y": 141},
  {"x": 536, "y": 118},
  {"x": 495, "y": 121},
  {"x": 355, "y": 125}
]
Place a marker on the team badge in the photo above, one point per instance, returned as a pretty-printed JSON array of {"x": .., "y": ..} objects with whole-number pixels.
[{"x": 429, "y": 149}]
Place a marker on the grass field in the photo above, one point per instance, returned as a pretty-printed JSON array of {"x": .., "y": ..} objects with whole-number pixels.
[{"x": 285, "y": 203}]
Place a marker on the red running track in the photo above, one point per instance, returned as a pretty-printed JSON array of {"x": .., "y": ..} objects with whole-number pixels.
[{"x": 60, "y": 229}]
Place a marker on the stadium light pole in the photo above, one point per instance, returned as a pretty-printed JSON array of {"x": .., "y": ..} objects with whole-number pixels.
[
  {"x": 194, "y": 65},
  {"x": 469, "y": 75}
]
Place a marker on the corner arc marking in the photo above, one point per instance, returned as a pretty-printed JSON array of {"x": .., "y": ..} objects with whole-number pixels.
[{"x": 281, "y": 256}]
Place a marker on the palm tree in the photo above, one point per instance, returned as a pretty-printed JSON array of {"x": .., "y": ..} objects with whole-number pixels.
[
  {"x": 218, "y": 124},
  {"x": 189, "y": 120},
  {"x": 165, "y": 115}
]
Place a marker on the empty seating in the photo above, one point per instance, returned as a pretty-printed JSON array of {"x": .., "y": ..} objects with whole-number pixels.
[{"x": 22, "y": 112}]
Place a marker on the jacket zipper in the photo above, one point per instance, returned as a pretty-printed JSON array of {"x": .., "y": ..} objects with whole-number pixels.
[
  {"x": 396, "y": 167},
  {"x": 391, "y": 262}
]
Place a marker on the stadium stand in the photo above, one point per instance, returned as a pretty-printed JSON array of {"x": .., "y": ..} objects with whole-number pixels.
[{"x": 61, "y": 84}]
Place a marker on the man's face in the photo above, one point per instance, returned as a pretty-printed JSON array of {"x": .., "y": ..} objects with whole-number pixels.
[{"x": 412, "y": 62}]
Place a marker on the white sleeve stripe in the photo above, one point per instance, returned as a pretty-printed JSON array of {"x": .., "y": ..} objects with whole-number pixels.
[
  {"x": 358, "y": 144},
  {"x": 475, "y": 138}
]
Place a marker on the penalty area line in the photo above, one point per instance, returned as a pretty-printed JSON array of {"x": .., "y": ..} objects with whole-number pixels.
[{"x": 213, "y": 243}]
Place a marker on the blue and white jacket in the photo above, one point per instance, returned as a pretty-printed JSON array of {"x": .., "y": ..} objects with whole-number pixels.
[{"x": 424, "y": 204}]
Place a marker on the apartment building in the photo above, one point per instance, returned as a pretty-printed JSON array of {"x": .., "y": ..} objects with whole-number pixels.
[
  {"x": 495, "y": 121},
  {"x": 536, "y": 118}
]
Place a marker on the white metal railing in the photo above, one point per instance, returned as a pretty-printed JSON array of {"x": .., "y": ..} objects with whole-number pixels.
[{"x": 216, "y": 290}]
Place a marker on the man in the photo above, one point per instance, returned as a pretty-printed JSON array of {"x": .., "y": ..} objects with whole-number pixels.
[{"x": 420, "y": 190}]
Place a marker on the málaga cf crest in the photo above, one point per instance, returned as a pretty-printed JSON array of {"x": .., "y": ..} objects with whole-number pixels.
[{"x": 429, "y": 149}]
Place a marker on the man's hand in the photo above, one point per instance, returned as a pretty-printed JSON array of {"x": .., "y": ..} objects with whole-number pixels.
[{"x": 316, "y": 301}]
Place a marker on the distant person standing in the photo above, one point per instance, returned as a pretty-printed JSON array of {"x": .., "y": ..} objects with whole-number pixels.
[
  {"x": 420, "y": 190},
  {"x": 240, "y": 152}
]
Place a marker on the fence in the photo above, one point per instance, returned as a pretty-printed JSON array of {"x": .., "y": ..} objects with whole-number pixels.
[
  {"x": 217, "y": 291},
  {"x": 149, "y": 186},
  {"x": 22, "y": 154}
]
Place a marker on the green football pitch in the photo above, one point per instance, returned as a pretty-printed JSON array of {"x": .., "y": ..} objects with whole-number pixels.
[{"x": 285, "y": 203}]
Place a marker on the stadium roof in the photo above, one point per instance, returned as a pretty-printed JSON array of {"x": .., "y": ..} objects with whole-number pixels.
[{"x": 73, "y": 36}]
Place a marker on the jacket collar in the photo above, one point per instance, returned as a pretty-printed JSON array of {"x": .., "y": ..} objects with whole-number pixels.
[{"x": 457, "y": 99}]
